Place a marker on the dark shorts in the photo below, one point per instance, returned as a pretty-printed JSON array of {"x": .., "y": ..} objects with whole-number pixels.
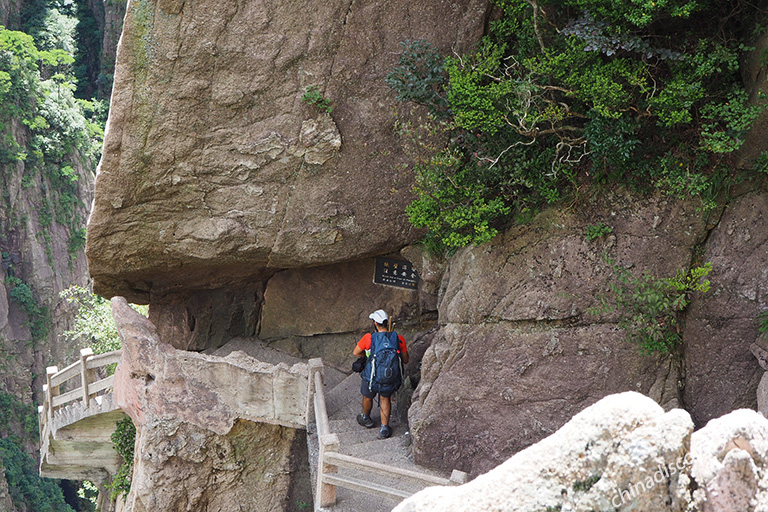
[{"x": 371, "y": 394}]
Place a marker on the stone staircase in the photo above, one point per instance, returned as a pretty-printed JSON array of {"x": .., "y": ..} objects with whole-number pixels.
[{"x": 343, "y": 402}]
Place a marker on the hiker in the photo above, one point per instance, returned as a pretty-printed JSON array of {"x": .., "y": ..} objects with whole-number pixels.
[{"x": 382, "y": 378}]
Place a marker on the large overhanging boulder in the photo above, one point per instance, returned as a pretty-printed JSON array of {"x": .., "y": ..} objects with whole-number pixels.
[{"x": 214, "y": 169}]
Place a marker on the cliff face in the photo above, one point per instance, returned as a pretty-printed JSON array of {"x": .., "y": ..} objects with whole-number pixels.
[
  {"x": 236, "y": 209},
  {"x": 40, "y": 258},
  {"x": 39, "y": 247},
  {"x": 517, "y": 352},
  {"x": 222, "y": 195},
  {"x": 9, "y": 12},
  {"x": 213, "y": 433}
]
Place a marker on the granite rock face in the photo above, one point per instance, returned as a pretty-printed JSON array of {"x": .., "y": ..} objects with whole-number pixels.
[
  {"x": 38, "y": 247},
  {"x": 624, "y": 453},
  {"x": 329, "y": 300},
  {"x": 722, "y": 373},
  {"x": 729, "y": 463},
  {"x": 517, "y": 354},
  {"x": 155, "y": 380},
  {"x": 214, "y": 169},
  {"x": 214, "y": 433},
  {"x": 183, "y": 467},
  {"x": 9, "y": 13},
  {"x": 5, "y": 496},
  {"x": 606, "y": 458}
]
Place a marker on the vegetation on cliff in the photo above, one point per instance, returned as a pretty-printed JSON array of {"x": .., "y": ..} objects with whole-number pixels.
[
  {"x": 94, "y": 325},
  {"x": 52, "y": 114},
  {"x": 46, "y": 133},
  {"x": 568, "y": 96}
]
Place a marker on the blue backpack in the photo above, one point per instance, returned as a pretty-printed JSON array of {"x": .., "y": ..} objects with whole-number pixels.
[{"x": 384, "y": 368}]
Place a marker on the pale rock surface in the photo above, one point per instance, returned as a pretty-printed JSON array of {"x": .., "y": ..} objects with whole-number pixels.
[
  {"x": 647, "y": 460},
  {"x": 155, "y": 380},
  {"x": 762, "y": 388},
  {"x": 214, "y": 433},
  {"x": 762, "y": 395},
  {"x": 627, "y": 440},
  {"x": 214, "y": 169},
  {"x": 730, "y": 463},
  {"x": 514, "y": 325}
]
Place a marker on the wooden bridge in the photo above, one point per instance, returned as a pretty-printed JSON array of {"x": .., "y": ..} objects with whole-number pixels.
[{"x": 79, "y": 415}]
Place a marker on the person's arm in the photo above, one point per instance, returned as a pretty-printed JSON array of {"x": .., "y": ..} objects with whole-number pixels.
[
  {"x": 403, "y": 349},
  {"x": 362, "y": 345}
]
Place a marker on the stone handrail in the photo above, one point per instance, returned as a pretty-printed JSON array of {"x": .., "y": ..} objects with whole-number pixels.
[
  {"x": 90, "y": 385},
  {"x": 329, "y": 458}
]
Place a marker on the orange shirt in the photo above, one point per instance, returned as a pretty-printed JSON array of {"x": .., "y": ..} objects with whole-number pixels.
[{"x": 365, "y": 344}]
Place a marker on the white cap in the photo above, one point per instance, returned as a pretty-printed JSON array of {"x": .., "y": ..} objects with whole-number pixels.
[{"x": 379, "y": 316}]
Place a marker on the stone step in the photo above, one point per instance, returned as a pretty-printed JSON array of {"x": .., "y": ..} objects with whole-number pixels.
[
  {"x": 356, "y": 434},
  {"x": 396, "y": 448},
  {"x": 338, "y": 398},
  {"x": 348, "y": 421}
]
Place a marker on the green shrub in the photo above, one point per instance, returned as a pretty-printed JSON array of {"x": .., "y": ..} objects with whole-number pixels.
[
  {"x": 19, "y": 418},
  {"x": 586, "y": 484},
  {"x": 593, "y": 232},
  {"x": 27, "y": 489},
  {"x": 420, "y": 77},
  {"x": 650, "y": 308},
  {"x": 124, "y": 438},
  {"x": 314, "y": 97},
  {"x": 646, "y": 94},
  {"x": 763, "y": 319},
  {"x": 36, "y": 90}
]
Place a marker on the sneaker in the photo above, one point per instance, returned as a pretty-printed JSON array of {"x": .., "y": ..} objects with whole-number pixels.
[
  {"x": 385, "y": 432},
  {"x": 365, "y": 420}
]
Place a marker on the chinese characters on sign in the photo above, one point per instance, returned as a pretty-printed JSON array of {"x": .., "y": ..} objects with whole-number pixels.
[{"x": 392, "y": 272}]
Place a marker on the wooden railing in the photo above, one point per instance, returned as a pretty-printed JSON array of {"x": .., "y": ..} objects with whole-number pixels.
[
  {"x": 330, "y": 460},
  {"x": 90, "y": 384}
]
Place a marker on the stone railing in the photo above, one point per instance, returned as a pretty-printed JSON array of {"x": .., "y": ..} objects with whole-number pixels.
[
  {"x": 90, "y": 385},
  {"x": 330, "y": 460}
]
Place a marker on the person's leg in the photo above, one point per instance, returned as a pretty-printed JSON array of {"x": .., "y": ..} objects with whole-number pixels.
[
  {"x": 386, "y": 407},
  {"x": 368, "y": 405},
  {"x": 364, "y": 419}
]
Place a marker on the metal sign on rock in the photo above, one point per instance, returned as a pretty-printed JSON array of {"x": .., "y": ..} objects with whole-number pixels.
[{"x": 393, "y": 272}]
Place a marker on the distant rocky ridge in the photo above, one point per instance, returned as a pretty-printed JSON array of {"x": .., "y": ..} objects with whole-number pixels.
[{"x": 40, "y": 257}]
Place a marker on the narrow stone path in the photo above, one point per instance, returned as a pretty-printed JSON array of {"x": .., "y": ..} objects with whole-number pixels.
[{"x": 343, "y": 402}]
